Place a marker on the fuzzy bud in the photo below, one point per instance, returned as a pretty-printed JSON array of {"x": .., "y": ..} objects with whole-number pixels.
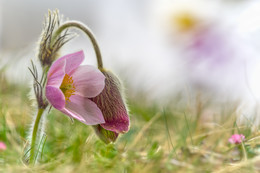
[{"x": 111, "y": 103}]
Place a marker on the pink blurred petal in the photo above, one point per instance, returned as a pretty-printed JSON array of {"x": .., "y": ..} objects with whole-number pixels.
[
  {"x": 236, "y": 138},
  {"x": 2, "y": 146},
  {"x": 55, "y": 97},
  {"x": 88, "y": 80},
  {"x": 84, "y": 110},
  {"x": 230, "y": 140},
  {"x": 56, "y": 73},
  {"x": 73, "y": 61}
]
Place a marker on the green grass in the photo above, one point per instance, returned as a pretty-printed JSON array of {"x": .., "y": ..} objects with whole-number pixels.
[{"x": 179, "y": 137}]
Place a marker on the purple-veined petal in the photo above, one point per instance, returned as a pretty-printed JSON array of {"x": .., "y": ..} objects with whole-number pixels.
[
  {"x": 56, "y": 73},
  {"x": 55, "y": 97},
  {"x": 84, "y": 110},
  {"x": 111, "y": 103},
  {"x": 73, "y": 61},
  {"x": 88, "y": 81}
]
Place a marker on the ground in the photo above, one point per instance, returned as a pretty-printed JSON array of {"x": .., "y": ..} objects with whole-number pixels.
[{"x": 176, "y": 137}]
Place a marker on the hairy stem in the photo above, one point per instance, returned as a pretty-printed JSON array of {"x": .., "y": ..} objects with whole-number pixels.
[
  {"x": 87, "y": 31},
  {"x": 34, "y": 135}
]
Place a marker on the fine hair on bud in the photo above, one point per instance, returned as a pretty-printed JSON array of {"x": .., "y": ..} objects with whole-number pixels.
[{"x": 111, "y": 102}]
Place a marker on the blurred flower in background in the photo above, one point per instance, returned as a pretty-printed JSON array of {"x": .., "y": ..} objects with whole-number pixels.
[
  {"x": 160, "y": 47},
  {"x": 212, "y": 59},
  {"x": 2, "y": 146},
  {"x": 217, "y": 45},
  {"x": 236, "y": 139}
]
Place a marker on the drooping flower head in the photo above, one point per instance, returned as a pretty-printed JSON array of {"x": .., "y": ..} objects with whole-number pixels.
[
  {"x": 236, "y": 138},
  {"x": 69, "y": 87}
]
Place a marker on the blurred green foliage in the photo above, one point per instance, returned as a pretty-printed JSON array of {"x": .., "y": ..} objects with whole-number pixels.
[{"x": 161, "y": 139}]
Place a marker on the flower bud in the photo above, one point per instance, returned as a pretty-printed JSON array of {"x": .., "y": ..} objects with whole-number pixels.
[
  {"x": 2, "y": 146},
  {"x": 111, "y": 103}
]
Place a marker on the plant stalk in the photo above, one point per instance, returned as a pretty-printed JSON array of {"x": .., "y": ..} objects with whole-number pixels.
[
  {"x": 87, "y": 31},
  {"x": 34, "y": 135}
]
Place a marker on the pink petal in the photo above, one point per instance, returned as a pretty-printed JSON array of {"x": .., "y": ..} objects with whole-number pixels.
[
  {"x": 242, "y": 137},
  {"x": 88, "y": 80},
  {"x": 84, "y": 110},
  {"x": 2, "y": 146},
  {"x": 73, "y": 61},
  {"x": 230, "y": 140},
  {"x": 56, "y": 73},
  {"x": 236, "y": 138},
  {"x": 55, "y": 97}
]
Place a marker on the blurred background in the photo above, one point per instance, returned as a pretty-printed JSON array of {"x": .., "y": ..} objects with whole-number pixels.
[{"x": 158, "y": 47}]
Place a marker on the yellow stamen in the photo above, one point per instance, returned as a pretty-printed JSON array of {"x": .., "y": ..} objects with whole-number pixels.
[
  {"x": 67, "y": 87},
  {"x": 185, "y": 21}
]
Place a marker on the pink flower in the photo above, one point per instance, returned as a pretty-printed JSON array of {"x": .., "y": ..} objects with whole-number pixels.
[
  {"x": 2, "y": 146},
  {"x": 69, "y": 87},
  {"x": 236, "y": 139}
]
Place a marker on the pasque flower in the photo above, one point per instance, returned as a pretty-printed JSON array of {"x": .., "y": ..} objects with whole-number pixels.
[
  {"x": 236, "y": 138},
  {"x": 74, "y": 89},
  {"x": 69, "y": 87}
]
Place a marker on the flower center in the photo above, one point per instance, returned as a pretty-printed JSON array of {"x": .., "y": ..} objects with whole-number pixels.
[
  {"x": 67, "y": 87},
  {"x": 184, "y": 21}
]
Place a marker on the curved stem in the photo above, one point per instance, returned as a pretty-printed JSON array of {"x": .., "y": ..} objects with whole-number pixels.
[
  {"x": 87, "y": 31},
  {"x": 34, "y": 135}
]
